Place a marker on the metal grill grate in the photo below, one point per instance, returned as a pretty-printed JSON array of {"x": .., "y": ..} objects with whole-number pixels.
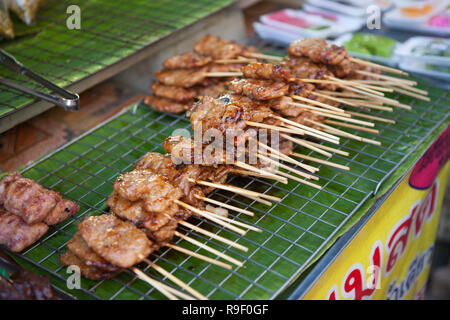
[
  {"x": 110, "y": 31},
  {"x": 294, "y": 230}
]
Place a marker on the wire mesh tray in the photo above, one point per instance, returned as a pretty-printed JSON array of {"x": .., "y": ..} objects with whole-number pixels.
[
  {"x": 295, "y": 230},
  {"x": 110, "y": 31}
]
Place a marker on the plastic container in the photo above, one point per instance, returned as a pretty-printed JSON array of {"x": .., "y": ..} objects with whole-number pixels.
[
  {"x": 300, "y": 23},
  {"x": 421, "y": 68},
  {"x": 391, "y": 61},
  {"x": 426, "y": 50},
  {"x": 347, "y": 9}
]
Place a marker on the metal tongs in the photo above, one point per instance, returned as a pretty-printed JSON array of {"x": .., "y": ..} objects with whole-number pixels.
[{"x": 69, "y": 101}]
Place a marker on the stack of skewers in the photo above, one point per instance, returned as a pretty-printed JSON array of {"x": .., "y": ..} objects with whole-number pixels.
[{"x": 302, "y": 99}]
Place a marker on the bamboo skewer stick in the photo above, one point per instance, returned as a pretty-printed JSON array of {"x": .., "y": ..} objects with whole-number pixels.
[
  {"x": 212, "y": 250},
  {"x": 318, "y": 94},
  {"x": 176, "y": 292},
  {"x": 301, "y": 180},
  {"x": 344, "y": 133},
  {"x": 363, "y": 115},
  {"x": 223, "y": 74},
  {"x": 307, "y": 144},
  {"x": 235, "y": 189},
  {"x": 317, "y": 103},
  {"x": 305, "y": 106},
  {"x": 364, "y": 123},
  {"x": 279, "y": 156},
  {"x": 346, "y": 125},
  {"x": 250, "y": 173},
  {"x": 175, "y": 280},
  {"x": 156, "y": 284},
  {"x": 378, "y": 66},
  {"x": 199, "y": 256},
  {"x": 238, "y": 223},
  {"x": 384, "y": 77},
  {"x": 413, "y": 89},
  {"x": 263, "y": 56},
  {"x": 411, "y": 94},
  {"x": 275, "y": 128},
  {"x": 300, "y": 173},
  {"x": 375, "y": 106},
  {"x": 306, "y": 128},
  {"x": 238, "y": 60},
  {"x": 225, "y": 205},
  {"x": 267, "y": 203},
  {"x": 213, "y": 235},
  {"x": 286, "y": 158},
  {"x": 261, "y": 172},
  {"x": 328, "y": 163},
  {"x": 337, "y": 151},
  {"x": 347, "y": 95},
  {"x": 384, "y": 99},
  {"x": 316, "y": 135},
  {"x": 374, "y": 87},
  {"x": 349, "y": 83},
  {"x": 209, "y": 216}
]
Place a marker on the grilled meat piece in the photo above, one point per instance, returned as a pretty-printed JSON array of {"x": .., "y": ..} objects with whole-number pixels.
[
  {"x": 135, "y": 212},
  {"x": 163, "y": 235},
  {"x": 217, "y": 48},
  {"x": 319, "y": 51},
  {"x": 165, "y": 105},
  {"x": 304, "y": 68},
  {"x": 159, "y": 163},
  {"x": 173, "y": 92},
  {"x": 283, "y": 106},
  {"x": 89, "y": 271},
  {"x": 259, "y": 89},
  {"x": 26, "y": 285},
  {"x": 155, "y": 191},
  {"x": 301, "y": 89},
  {"x": 118, "y": 242},
  {"x": 266, "y": 71},
  {"x": 185, "y": 78},
  {"x": 186, "y": 60},
  {"x": 286, "y": 147},
  {"x": 227, "y": 113},
  {"x": 213, "y": 90},
  {"x": 29, "y": 200},
  {"x": 62, "y": 211},
  {"x": 16, "y": 234},
  {"x": 79, "y": 247}
]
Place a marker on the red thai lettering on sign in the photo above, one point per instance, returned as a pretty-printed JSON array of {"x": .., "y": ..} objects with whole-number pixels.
[
  {"x": 427, "y": 208},
  {"x": 354, "y": 285},
  {"x": 419, "y": 213},
  {"x": 398, "y": 240}
]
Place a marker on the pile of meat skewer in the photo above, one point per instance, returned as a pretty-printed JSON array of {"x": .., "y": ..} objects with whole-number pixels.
[
  {"x": 27, "y": 210},
  {"x": 184, "y": 76},
  {"x": 222, "y": 86}
]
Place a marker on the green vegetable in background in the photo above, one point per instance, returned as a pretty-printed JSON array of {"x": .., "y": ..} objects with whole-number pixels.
[{"x": 371, "y": 45}]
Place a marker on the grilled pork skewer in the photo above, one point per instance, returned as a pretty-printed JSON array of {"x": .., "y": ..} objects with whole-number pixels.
[
  {"x": 16, "y": 234},
  {"x": 30, "y": 201}
]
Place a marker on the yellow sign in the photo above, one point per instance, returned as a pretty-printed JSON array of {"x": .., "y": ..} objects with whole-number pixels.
[{"x": 389, "y": 258}]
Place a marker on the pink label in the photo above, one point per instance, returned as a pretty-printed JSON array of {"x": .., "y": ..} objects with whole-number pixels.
[{"x": 431, "y": 162}]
